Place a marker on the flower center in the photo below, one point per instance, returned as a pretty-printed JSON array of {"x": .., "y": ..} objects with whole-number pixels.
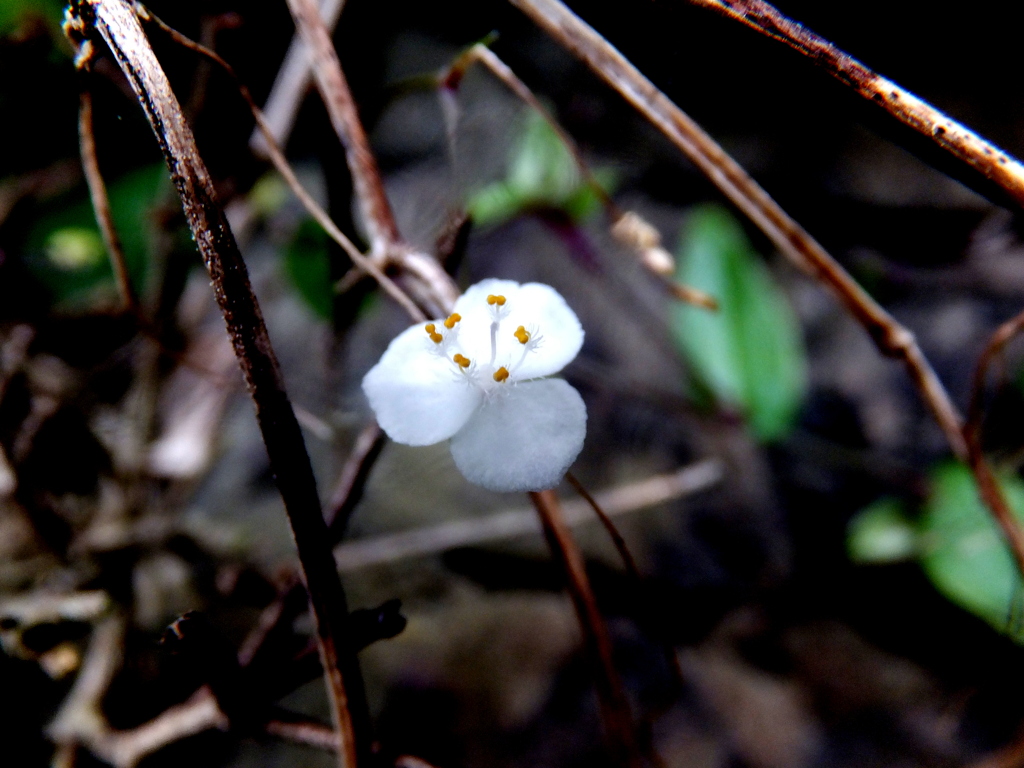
[{"x": 462, "y": 347}]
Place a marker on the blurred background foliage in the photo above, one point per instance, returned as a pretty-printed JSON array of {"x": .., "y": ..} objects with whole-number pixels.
[{"x": 839, "y": 598}]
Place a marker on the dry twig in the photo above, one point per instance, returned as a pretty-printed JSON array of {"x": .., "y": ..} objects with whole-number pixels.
[
  {"x": 891, "y": 338},
  {"x": 425, "y": 277},
  {"x": 114, "y": 21},
  {"x": 615, "y": 714},
  {"x": 284, "y": 168},
  {"x": 348, "y": 489},
  {"x": 291, "y": 84},
  {"x": 628, "y": 227},
  {"x": 988, "y": 486},
  {"x": 362, "y": 553},
  {"x": 101, "y": 205},
  {"x": 790, "y": 238},
  {"x": 337, "y": 97},
  {"x": 957, "y": 139}
]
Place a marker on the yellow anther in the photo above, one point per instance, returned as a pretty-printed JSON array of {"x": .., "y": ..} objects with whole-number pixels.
[
  {"x": 429, "y": 328},
  {"x": 462, "y": 361},
  {"x": 522, "y": 334},
  {"x": 499, "y": 300},
  {"x": 501, "y": 374},
  {"x": 437, "y": 338},
  {"x": 452, "y": 320}
]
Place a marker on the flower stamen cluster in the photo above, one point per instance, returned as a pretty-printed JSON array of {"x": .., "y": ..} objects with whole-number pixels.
[{"x": 435, "y": 386}]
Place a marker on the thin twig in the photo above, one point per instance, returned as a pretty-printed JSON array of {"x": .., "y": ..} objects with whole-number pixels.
[
  {"x": 628, "y": 227},
  {"x": 349, "y": 488},
  {"x": 891, "y": 338},
  {"x": 609, "y": 526},
  {"x": 290, "y": 86},
  {"x": 115, "y": 22},
  {"x": 1000, "y": 338},
  {"x": 615, "y": 714},
  {"x": 427, "y": 280},
  {"x": 330, "y": 80},
  {"x": 101, "y": 205},
  {"x": 284, "y": 168},
  {"x": 988, "y": 487},
  {"x": 958, "y": 140},
  {"x": 305, "y": 732},
  {"x": 668, "y": 650},
  {"x": 431, "y": 539}
]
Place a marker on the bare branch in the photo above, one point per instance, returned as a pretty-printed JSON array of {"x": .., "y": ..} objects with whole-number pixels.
[
  {"x": 988, "y": 487},
  {"x": 337, "y": 97},
  {"x": 115, "y": 22},
  {"x": 349, "y": 488},
  {"x": 284, "y": 168},
  {"x": 618, "y": 722},
  {"x": 353, "y": 555},
  {"x": 291, "y": 84},
  {"x": 101, "y": 205},
  {"x": 891, "y": 338},
  {"x": 956, "y": 139},
  {"x": 628, "y": 227}
]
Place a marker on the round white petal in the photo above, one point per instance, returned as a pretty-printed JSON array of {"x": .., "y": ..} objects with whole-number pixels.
[
  {"x": 542, "y": 307},
  {"x": 523, "y": 439},
  {"x": 418, "y": 396}
]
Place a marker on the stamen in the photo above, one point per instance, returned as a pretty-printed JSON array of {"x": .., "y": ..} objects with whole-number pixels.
[
  {"x": 499, "y": 300},
  {"x": 429, "y": 328},
  {"x": 501, "y": 374},
  {"x": 437, "y": 338},
  {"x": 452, "y": 320},
  {"x": 462, "y": 361},
  {"x": 522, "y": 334}
]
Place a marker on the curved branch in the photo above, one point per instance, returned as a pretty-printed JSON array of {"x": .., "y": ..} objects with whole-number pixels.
[
  {"x": 955, "y": 138},
  {"x": 891, "y": 338}
]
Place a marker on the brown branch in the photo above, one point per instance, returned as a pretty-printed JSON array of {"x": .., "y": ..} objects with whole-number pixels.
[
  {"x": 431, "y": 539},
  {"x": 609, "y": 526},
  {"x": 628, "y": 227},
  {"x": 891, "y": 338},
  {"x": 432, "y": 286},
  {"x": 341, "y": 108},
  {"x": 115, "y": 22},
  {"x": 988, "y": 487},
  {"x": 668, "y": 650},
  {"x": 306, "y": 732},
  {"x": 284, "y": 168},
  {"x": 101, "y": 205},
  {"x": 292, "y": 82},
  {"x": 958, "y": 140},
  {"x": 615, "y": 714},
  {"x": 349, "y": 488}
]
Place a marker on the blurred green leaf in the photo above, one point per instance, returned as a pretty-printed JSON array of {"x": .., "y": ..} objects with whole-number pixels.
[
  {"x": 749, "y": 353},
  {"x": 62, "y": 243},
  {"x": 307, "y": 263},
  {"x": 965, "y": 554},
  {"x": 13, "y": 12},
  {"x": 542, "y": 173},
  {"x": 881, "y": 533}
]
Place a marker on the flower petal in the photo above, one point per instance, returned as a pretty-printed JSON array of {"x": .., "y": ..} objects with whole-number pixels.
[
  {"x": 523, "y": 439},
  {"x": 535, "y": 306},
  {"x": 416, "y": 394},
  {"x": 541, "y": 306}
]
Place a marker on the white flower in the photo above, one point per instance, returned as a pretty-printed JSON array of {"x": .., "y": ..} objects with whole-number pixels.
[{"x": 477, "y": 377}]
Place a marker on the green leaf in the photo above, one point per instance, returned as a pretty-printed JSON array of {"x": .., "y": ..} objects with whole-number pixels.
[
  {"x": 881, "y": 533},
  {"x": 307, "y": 263},
  {"x": 965, "y": 554},
  {"x": 64, "y": 246},
  {"x": 14, "y": 12},
  {"x": 542, "y": 173},
  {"x": 749, "y": 353}
]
